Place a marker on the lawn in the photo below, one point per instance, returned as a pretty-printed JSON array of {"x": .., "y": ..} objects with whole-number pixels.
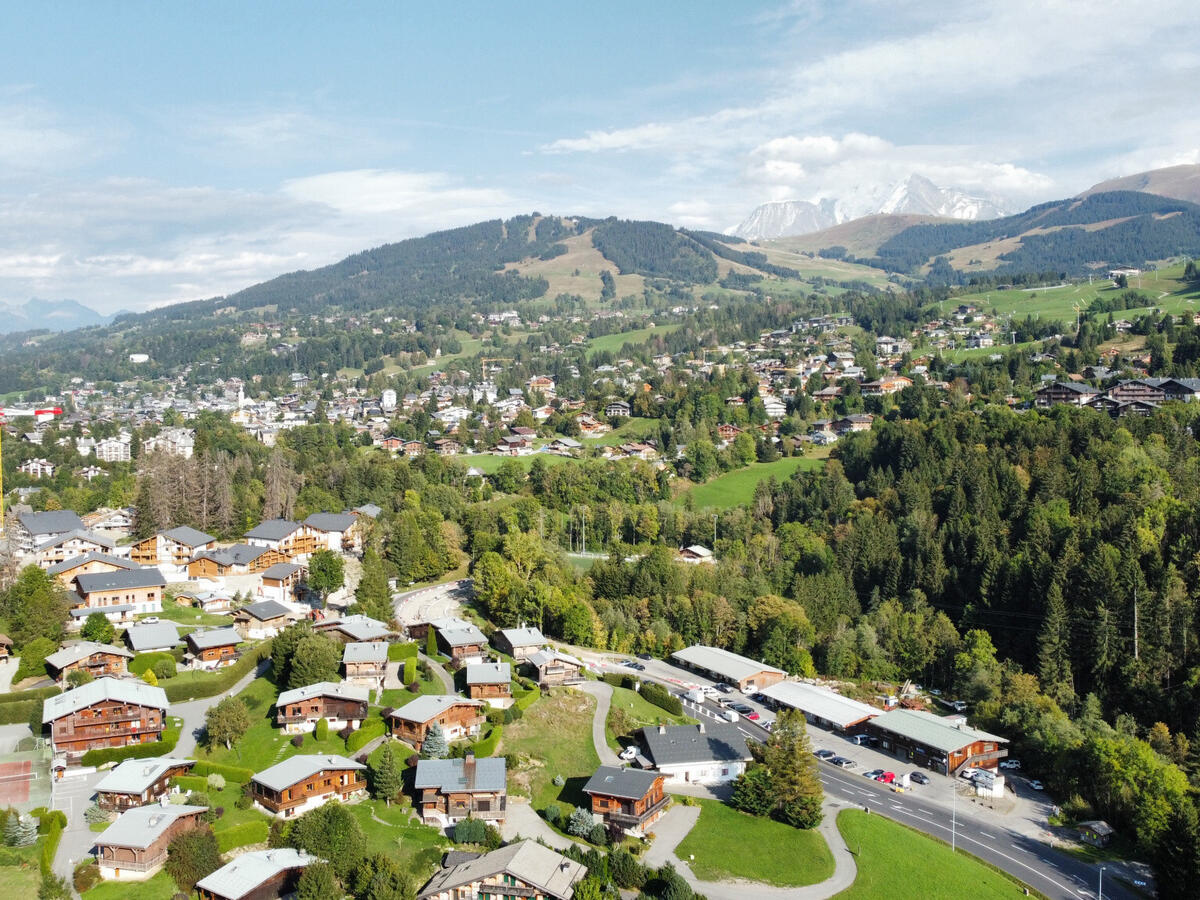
[
  {"x": 489, "y": 463},
  {"x": 897, "y": 863},
  {"x": 614, "y": 342},
  {"x": 767, "y": 850},
  {"x": 737, "y": 487},
  {"x": 22, "y": 878},
  {"x": 401, "y": 835},
  {"x": 631, "y": 430},
  {"x": 554, "y": 737},
  {"x": 630, "y": 711},
  {"x": 264, "y": 745},
  {"x": 160, "y": 887},
  {"x": 188, "y": 615}
]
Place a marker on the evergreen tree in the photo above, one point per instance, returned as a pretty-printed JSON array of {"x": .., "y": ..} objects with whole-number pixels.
[
  {"x": 1054, "y": 649},
  {"x": 435, "y": 745},
  {"x": 317, "y": 882},
  {"x": 386, "y": 777},
  {"x": 580, "y": 822},
  {"x": 318, "y": 657},
  {"x": 752, "y": 792},
  {"x": 191, "y": 856},
  {"x": 1176, "y": 858},
  {"x": 372, "y": 596},
  {"x": 794, "y": 776}
]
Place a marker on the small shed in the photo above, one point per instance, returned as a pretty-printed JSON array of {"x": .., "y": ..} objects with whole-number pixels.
[{"x": 1096, "y": 832}]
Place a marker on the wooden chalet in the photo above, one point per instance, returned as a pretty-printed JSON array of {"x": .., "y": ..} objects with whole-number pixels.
[
  {"x": 174, "y": 547},
  {"x": 450, "y": 790},
  {"x": 281, "y": 581},
  {"x": 365, "y": 662},
  {"x": 257, "y": 875},
  {"x": 87, "y": 564},
  {"x": 213, "y": 648},
  {"x": 298, "y": 711},
  {"x": 458, "y": 717},
  {"x": 300, "y": 783},
  {"x": 339, "y": 532},
  {"x": 552, "y": 668},
  {"x": 139, "y": 782},
  {"x": 294, "y": 540},
  {"x": 120, "y": 595},
  {"x": 522, "y": 869},
  {"x": 490, "y": 682},
  {"x": 519, "y": 643},
  {"x": 105, "y": 713},
  {"x": 98, "y": 660},
  {"x": 239, "y": 559},
  {"x": 69, "y": 546},
  {"x": 134, "y": 847},
  {"x": 627, "y": 800},
  {"x": 262, "y": 620},
  {"x": 459, "y": 639}
]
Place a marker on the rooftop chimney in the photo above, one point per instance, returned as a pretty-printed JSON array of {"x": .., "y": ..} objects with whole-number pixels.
[
  {"x": 662, "y": 729},
  {"x": 701, "y": 727}
]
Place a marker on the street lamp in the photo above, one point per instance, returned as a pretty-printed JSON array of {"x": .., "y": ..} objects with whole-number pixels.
[
  {"x": 1100, "y": 892},
  {"x": 714, "y": 535},
  {"x": 953, "y": 813}
]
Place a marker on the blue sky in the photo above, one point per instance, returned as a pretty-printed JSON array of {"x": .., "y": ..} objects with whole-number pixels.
[{"x": 156, "y": 152}]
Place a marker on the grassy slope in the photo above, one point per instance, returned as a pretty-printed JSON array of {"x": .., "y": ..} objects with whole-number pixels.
[
  {"x": 766, "y": 850},
  {"x": 895, "y": 863},
  {"x": 737, "y": 487},
  {"x": 630, "y": 711},
  {"x": 554, "y": 738},
  {"x": 160, "y": 887},
  {"x": 614, "y": 342}
]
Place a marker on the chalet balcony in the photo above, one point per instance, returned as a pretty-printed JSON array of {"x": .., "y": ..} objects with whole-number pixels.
[
  {"x": 114, "y": 718},
  {"x": 629, "y": 820},
  {"x": 980, "y": 760},
  {"x": 438, "y": 806},
  {"x": 135, "y": 866}
]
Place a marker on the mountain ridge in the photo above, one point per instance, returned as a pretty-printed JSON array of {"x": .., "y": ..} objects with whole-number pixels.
[{"x": 37, "y": 314}]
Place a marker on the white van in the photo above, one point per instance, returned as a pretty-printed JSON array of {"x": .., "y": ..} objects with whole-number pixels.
[
  {"x": 729, "y": 715},
  {"x": 695, "y": 695},
  {"x": 859, "y": 739}
]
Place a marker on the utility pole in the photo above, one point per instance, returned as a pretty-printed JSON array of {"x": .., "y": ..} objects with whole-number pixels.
[
  {"x": 953, "y": 811},
  {"x": 1100, "y": 892}
]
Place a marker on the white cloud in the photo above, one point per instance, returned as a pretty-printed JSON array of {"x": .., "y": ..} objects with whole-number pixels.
[{"x": 376, "y": 191}]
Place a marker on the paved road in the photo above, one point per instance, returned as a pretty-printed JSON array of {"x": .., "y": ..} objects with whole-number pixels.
[
  {"x": 439, "y": 672},
  {"x": 192, "y": 712},
  {"x": 520, "y": 820},
  {"x": 434, "y": 602},
  {"x": 1011, "y": 846},
  {"x": 602, "y": 691},
  {"x": 73, "y": 795}
]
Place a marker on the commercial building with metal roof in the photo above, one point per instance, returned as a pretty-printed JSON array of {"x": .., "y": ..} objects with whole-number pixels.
[
  {"x": 943, "y": 744},
  {"x": 821, "y": 706},
  {"x": 722, "y": 665}
]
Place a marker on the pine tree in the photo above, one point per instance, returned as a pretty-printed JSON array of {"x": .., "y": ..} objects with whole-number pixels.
[
  {"x": 317, "y": 882},
  {"x": 794, "y": 777},
  {"x": 386, "y": 779},
  {"x": 372, "y": 596},
  {"x": 435, "y": 745},
  {"x": 1054, "y": 649}
]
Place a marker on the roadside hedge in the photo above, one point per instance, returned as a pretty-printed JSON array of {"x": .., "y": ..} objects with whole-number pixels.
[
  {"x": 34, "y": 694},
  {"x": 661, "y": 697},
  {"x": 51, "y": 824},
  {"x": 621, "y": 680},
  {"x": 527, "y": 699},
  {"x": 254, "y": 832},
  {"x": 371, "y": 729},
  {"x": 170, "y": 737},
  {"x": 19, "y": 708},
  {"x": 487, "y": 746},
  {"x": 230, "y": 773},
  {"x": 402, "y": 650},
  {"x": 219, "y": 682}
]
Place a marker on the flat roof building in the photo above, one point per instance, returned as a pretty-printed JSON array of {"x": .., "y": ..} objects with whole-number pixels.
[
  {"x": 821, "y": 706},
  {"x": 722, "y": 665}
]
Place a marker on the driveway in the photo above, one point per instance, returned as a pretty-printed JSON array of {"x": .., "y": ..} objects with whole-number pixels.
[
  {"x": 192, "y": 712},
  {"x": 73, "y": 795},
  {"x": 602, "y": 691},
  {"x": 520, "y": 821}
]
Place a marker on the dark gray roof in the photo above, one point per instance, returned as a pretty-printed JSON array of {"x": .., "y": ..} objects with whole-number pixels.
[
  {"x": 265, "y": 609},
  {"x": 281, "y": 570},
  {"x": 358, "y": 627},
  {"x": 69, "y": 564},
  {"x": 273, "y": 530},
  {"x": 454, "y": 775},
  {"x": 1077, "y": 387},
  {"x": 365, "y": 651},
  {"x": 57, "y": 521},
  {"x": 612, "y": 781},
  {"x": 153, "y": 636},
  {"x": 125, "y": 579},
  {"x": 331, "y": 521},
  {"x": 79, "y": 534},
  {"x": 708, "y": 742},
  {"x": 188, "y": 536}
]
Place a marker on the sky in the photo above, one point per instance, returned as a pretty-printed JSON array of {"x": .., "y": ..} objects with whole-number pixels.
[{"x": 157, "y": 152}]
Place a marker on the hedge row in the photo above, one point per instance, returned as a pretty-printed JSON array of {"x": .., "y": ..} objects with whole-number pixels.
[
  {"x": 179, "y": 690},
  {"x": 20, "y": 713},
  {"x": 254, "y": 832},
  {"x": 527, "y": 699},
  {"x": 487, "y": 746},
  {"x": 170, "y": 737},
  {"x": 661, "y": 697},
  {"x": 371, "y": 729},
  {"x": 51, "y": 825},
  {"x": 621, "y": 680},
  {"x": 196, "y": 783},
  {"x": 402, "y": 650},
  {"x": 229, "y": 773},
  {"x": 26, "y": 696},
  {"x": 143, "y": 661}
]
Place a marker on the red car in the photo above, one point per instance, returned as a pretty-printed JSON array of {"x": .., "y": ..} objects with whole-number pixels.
[
  {"x": 886, "y": 777},
  {"x": 753, "y": 717}
]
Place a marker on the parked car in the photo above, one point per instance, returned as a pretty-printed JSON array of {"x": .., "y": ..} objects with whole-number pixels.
[
  {"x": 709, "y": 691},
  {"x": 842, "y": 763},
  {"x": 1010, "y": 764},
  {"x": 646, "y": 656},
  {"x": 919, "y": 778},
  {"x": 824, "y": 754},
  {"x": 724, "y": 701},
  {"x": 968, "y": 773},
  {"x": 959, "y": 705},
  {"x": 859, "y": 739},
  {"x": 935, "y": 692},
  {"x": 729, "y": 715},
  {"x": 628, "y": 753},
  {"x": 742, "y": 708},
  {"x": 753, "y": 716},
  {"x": 724, "y": 688},
  {"x": 886, "y": 777},
  {"x": 638, "y": 666},
  {"x": 873, "y": 774},
  {"x": 149, "y": 620},
  {"x": 1036, "y": 785},
  {"x": 629, "y": 663}
]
